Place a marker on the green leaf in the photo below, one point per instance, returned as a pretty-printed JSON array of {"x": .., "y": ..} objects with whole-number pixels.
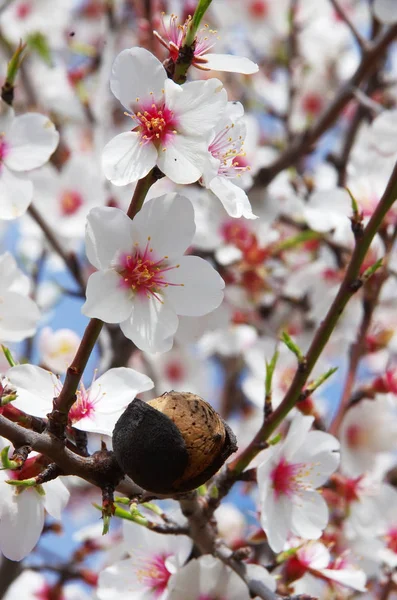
[{"x": 38, "y": 43}]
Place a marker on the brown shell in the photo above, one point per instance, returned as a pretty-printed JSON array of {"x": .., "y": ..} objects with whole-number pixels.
[{"x": 200, "y": 426}]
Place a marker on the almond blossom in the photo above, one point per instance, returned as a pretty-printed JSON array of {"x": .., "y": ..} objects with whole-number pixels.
[
  {"x": 207, "y": 577},
  {"x": 22, "y": 511},
  {"x": 170, "y": 123},
  {"x": 145, "y": 574},
  {"x": 173, "y": 38},
  {"x": 96, "y": 409},
  {"x": 26, "y": 142},
  {"x": 288, "y": 479},
  {"x": 144, "y": 281},
  {"x": 19, "y": 315},
  {"x": 226, "y": 162},
  {"x": 58, "y": 348}
]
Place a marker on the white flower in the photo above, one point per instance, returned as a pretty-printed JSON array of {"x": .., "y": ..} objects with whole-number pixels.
[
  {"x": 146, "y": 573},
  {"x": 23, "y": 18},
  {"x": 144, "y": 281},
  {"x": 385, "y": 11},
  {"x": 26, "y": 142},
  {"x": 22, "y": 512},
  {"x": 57, "y": 348},
  {"x": 315, "y": 558},
  {"x": 208, "y": 577},
  {"x": 171, "y": 123},
  {"x": 96, "y": 409},
  {"x": 175, "y": 36},
  {"x": 368, "y": 430},
  {"x": 31, "y": 585},
  {"x": 227, "y": 162},
  {"x": 18, "y": 313},
  {"x": 287, "y": 481}
]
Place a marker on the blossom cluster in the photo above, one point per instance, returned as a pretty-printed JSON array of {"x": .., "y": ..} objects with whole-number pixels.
[{"x": 202, "y": 204}]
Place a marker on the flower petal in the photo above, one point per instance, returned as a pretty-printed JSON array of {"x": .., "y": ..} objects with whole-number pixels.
[
  {"x": 234, "y": 199},
  {"x": 106, "y": 299},
  {"x": 169, "y": 222},
  {"x": 230, "y": 63},
  {"x": 19, "y": 317},
  {"x": 151, "y": 326},
  {"x": 126, "y": 159},
  {"x": 108, "y": 232},
  {"x": 197, "y": 288},
  {"x": 21, "y": 524},
  {"x": 183, "y": 159},
  {"x": 32, "y": 138},
  {"x": 36, "y": 389},
  {"x": 16, "y": 193},
  {"x": 137, "y": 73},
  {"x": 197, "y": 105},
  {"x": 118, "y": 387},
  {"x": 309, "y": 515},
  {"x": 56, "y": 498}
]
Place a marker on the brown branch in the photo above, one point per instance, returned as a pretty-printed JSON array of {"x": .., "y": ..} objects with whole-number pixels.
[
  {"x": 362, "y": 42},
  {"x": 99, "y": 469},
  {"x": 350, "y": 284},
  {"x": 305, "y": 142}
]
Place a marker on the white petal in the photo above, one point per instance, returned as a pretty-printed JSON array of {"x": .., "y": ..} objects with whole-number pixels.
[
  {"x": 32, "y": 138},
  {"x": 19, "y": 316},
  {"x": 125, "y": 159},
  {"x": 108, "y": 232},
  {"x": 16, "y": 193},
  {"x": 169, "y": 222},
  {"x": 352, "y": 578},
  {"x": 298, "y": 430},
  {"x": 309, "y": 515},
  {"x": 183, "y": 159},
  {"x": 233, "y": 198},
  {"x": 56, "y": 498},
  {"x": 197, "y": 105},
  {"x": 36, "y": 389},
  {"x": 21, "y": 525},
  {"x": 277, "y": 522},
  {"x": 201, "y": 289},
  {"x": 99, "y": 423},
  {"x": 106, "y": 299},
  {"x": 230, "y": 63},
  {"x": 117, "y": 388},
  {"x": 11, "y": 277},
  {"x": 135, "y": 74},
  {"x": 120, "y": 581},
  {"x": 151, "y": 325},
  {"x": 385, "y": 11},
  {"x": 321, "y": 451}
]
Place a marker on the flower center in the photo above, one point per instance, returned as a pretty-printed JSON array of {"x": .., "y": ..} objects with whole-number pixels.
[
  {"x": 285, "y": 478},
  {"x": 228, "y": 149},
  {"x": 174, "y": 371},
  {"x": 237, "y": 233},
  {"x": 3, "y": 148},
  {"x": 155, "y": 123},
  {"x": 23, "y": 10},
  {"x": 391, "y": 539},
  {"x": 143, "y": 275},
  {"x": 70, "y": 202},
  {"x": 155, "y": 575},
  {"x": 83, "y": 407},
  {"x": 356, "y": 436},
  {"x": 258, "y": 9}
]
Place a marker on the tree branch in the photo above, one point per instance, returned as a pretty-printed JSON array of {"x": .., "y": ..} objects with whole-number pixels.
[{"x": 305, "y": 142}]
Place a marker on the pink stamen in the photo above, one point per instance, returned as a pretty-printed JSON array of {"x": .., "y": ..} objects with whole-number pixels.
[
  {"x": 84, "y": 405},
  {"x": 23, "y": 10},
  {"x": 155, "y": 123},
  {"x": 70, "y": 202},
  {"x": 284, "y": 477},
  {"x": 155, "y": 575},
  {"x": 143, "y": 275}
]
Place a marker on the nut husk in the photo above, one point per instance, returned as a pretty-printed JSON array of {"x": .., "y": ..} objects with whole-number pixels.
[{"x": 173, "y": 443}]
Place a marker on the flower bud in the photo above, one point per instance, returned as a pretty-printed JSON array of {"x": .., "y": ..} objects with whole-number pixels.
[{"x": 173, "y": 443}]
